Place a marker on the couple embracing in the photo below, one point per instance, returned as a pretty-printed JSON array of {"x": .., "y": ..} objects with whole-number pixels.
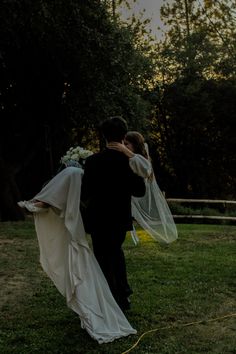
[{"x": 115, "y": 186}]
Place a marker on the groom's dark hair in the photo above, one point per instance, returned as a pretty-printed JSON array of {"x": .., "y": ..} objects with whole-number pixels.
[{"x": 114, "y": 129}]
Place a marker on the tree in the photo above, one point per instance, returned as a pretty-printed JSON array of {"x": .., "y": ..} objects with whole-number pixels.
[
  {"x": 192, "y": 132},
  {"x": 199, "y": 39},
  {"x": 193, "y": 120},
  {"x": 65, "y": 66}
]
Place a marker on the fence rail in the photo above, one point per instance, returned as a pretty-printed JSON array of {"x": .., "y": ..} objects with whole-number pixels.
[
  {"x": 204, "y": 217},
  {"x": 217, "y": 201},
  {"x": 207, "y": 201}
]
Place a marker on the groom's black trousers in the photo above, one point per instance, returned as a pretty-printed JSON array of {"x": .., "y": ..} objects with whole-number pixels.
[{"x": 107, "y": 247}]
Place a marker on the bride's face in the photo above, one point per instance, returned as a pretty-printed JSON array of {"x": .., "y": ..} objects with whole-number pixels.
[{"x": 129, "y": 145}]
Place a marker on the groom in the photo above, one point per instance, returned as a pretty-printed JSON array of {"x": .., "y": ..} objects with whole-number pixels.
[{"x": 107, "y": 187}]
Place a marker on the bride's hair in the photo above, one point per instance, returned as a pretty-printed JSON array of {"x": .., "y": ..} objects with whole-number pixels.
[
  {"x": 139, "y": 146},
  {"x": 138, "y": 143}
]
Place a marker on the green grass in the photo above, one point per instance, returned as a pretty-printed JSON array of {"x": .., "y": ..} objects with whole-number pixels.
[{"x": 190, "y": 280}]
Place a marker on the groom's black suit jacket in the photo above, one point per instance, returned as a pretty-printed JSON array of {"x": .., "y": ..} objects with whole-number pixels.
[{"x": 107, "y": 186}]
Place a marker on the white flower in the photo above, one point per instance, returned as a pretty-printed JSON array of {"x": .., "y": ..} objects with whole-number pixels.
[
  {"x": 74, "y": 157},
  {"x": 85, "y": 153},
  {"x": 75, "y": 154}
]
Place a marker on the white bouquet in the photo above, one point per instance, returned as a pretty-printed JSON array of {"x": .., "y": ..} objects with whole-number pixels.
[{"x": 75, "y": 156}]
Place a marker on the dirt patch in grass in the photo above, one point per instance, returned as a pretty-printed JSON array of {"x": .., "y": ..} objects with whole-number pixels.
[
  {"x": 16, "y": 268},
  {"x": 217, "y": 330},
  {"x": 218, "y": 237},
  {"x": 4, "y": 242},
  {"x": 12, "y": 289}
]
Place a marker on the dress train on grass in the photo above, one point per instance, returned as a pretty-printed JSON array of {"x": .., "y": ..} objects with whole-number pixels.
[{"x": 68, "y": 260}]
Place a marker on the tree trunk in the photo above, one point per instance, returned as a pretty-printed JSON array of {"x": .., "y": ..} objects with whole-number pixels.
[{"x": 9, "y": 195}]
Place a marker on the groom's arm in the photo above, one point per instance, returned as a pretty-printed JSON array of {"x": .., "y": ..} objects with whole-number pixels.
[{"x": 137, "y": 185}]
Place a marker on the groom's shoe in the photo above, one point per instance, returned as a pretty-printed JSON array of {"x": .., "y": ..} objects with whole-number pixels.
[
  {"x": 125, "y": 304},
  {"x": 128, "y": 291}
]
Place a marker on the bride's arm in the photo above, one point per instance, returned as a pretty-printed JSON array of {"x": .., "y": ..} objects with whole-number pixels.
[{"x": 138, "y": 163}]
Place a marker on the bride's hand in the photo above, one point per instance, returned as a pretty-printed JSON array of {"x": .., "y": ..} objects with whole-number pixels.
[{"x": 120, "y": 147}]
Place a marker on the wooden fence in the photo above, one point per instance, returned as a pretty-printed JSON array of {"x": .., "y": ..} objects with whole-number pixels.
[{"x": 206, "y": 201}]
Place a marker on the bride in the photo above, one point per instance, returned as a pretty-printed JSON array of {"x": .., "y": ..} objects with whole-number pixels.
[
  {"x": 65, "y": 254},
  {"x": 151, "y": 211},
  {"x": 68, "y": 260}
]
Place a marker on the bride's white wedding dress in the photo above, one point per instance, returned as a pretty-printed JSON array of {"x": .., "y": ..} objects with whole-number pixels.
[{"x": 69, "y": 262}]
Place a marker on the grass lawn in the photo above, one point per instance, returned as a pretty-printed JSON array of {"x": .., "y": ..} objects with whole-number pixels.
[{"x": 193, "y": 279}]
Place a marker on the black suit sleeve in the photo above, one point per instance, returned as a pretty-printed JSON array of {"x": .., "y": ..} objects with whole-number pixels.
[{"x": 138, "y": 187}]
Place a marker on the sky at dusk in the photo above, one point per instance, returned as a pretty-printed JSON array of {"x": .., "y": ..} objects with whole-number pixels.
[{"x": 152, "y": 8}]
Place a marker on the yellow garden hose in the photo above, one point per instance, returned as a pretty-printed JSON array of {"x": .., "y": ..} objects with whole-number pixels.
[{"x": 177, "y": 326}]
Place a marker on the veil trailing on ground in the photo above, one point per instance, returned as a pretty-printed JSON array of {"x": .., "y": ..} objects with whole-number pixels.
[{"x": 152, "y": 212}]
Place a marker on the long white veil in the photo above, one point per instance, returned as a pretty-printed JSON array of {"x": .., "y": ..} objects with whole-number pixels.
[{"x": 152, "y": 213}]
